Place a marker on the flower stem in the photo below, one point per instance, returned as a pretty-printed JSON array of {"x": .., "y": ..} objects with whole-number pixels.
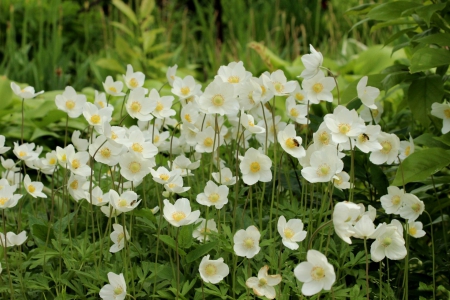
[{"x": 367, "y": 268}]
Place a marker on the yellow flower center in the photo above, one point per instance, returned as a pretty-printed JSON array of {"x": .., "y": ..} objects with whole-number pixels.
[
  {"x": 412, "y": 231},
  {"x": 255, "y": 167},
  {"x": 387, "y": 147},
  {"x": 386, "y": 241},
  {"x": 447, "y": 113},
  {"x": 375, "y": 112},
  {"x": 263, "y": 90},
  {"x": 214, "y": 197},
  {"x": 338, "y": 180},
  {"x": 172, "y": 185},
  {"x": 324, "y": 138},
  {"x": 122, "y": 202},
  {"x": 134, "y": 167},
  {"x": 101, "y": 103},
  {"x": 291, "y": 143},
  {"x": 159, "y": 107},
  {"x": 3, "y": 200},
  {"x": 317, "y": 88},
  {"x": 105, "y": 152},
  {"x": 299, "y": 97},
  {"x": 396, "y": 200},
  {"x": 75, "y": 164},
  {"x": 112, "y": 89},
  {"x": 187, "y": 117},
  {"x": 74, "y": 185},
  {"x": 135, "y": 106},
  {"x": 31, "y": 188},
  {"x": 118, "y": 290},
  {"x": 137, "y": 147},
  {"x": 317, "y": 273},
  {"x": 52, "y": 161},
  {"x": 22, "y": 153},
  {"x": 344, "y": 128},
  {"x": 278, "y": 87},
  {"x": 185, "y": 90},
  {"x": 407, "y": 150},
  {"x": 218, "y": 100},
  {"x": 288, "y": 233},
  {"x": 70, "y": 104},
  {"x": 208, "y": 142},
  {"x": 95, "y": 119},
  {"x": 249, "y": 243},
  {"x": 294, "y": 112},
  {"x": 233, "y": 79},
  {"x": 362, "y": 138},
  {"x": 178, "y": 216},
  {"x": 250, "y": 98},
  {"x": 210, "y": 270},
  {"x": 164, "y": 177},
  {"x": 323, "y": 170},
  {"x": 63, "y": 157},
  {"x": 262, "y": 282},
  {"x": 416, "y": 207},
  {"x": 133, "y": 82},
  {"x": 113, "y": 135},
  {"x": 156, "y": 139},
  {"x": 120, "y": 237}
]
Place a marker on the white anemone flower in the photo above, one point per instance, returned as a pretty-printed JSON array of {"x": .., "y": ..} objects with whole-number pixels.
[
  {"x": 113, "y": 88},
  {"x": 344, "y": 124},
  {"x": 224, "y": 177},
  {"x": 118, "y": 237},
  {"x": 364, "y": 227},
  {"x": 367, "y": 94},
  {"x": 312, "y": 63},
  {"x": 412, "y": 207},
  {"x": 96, "y": 117},
  {"x": 207, "y": 141},
  {"x": 322, "y": 137},
  {"x": 388, "y": 243},
  {"x": 291, "y": 232},
  {"x": 3, "y": 149},
  {"x": 179, "y": 213},
  {"x": 415, "y": 229},
  {"x": 367, "y": 141},
  {"x": 263, "y": 285},
  {"x": 218, "y": 98},
  {"x": 278, "y": 83},
  {"x": 125, "y": 202},
  {"x": 170, "y": 74},
  {"x": 140, "y": 107},
  {"x": 442, "y": 111},
  {"x": 296, "y": 112},
  {"x": 104, "y": 151},
  {"x": 344, "y": 215},
  {"x": 213, "y": 271},
  {"x": 324, "y": 165},
  {"x": 163, "y": 105},
  {"x": 319, "y": 88},
  {"x": 25, "y": 93},
  {"x": 213, "y": 195},
  {"x": 76, "y": 187},
  {"x": 316, "y": 273},
  {"x": 406, "y": 148},
  {"x": 341, "y": 180},
  {"x": 164, "y": 176},
  {"x": 246, "y": 242},
  {"x": 290, "y": 142},
  {"x": 176, "y": 186},
  {"x": 98, "y": 197},
  {"x": 203, "y": 229},
  {"x": 255, "y": 167},
  {"x": 233, "y": 73},
  {"x": 70, "y": 102},
  {"x": 372, "y": 115},
  {"x": 133, "y": 79},
  {"x": 393, "y": 200},
  {"x": 80, "y": 144},
  {"x": 186, "y": 87},
  {"x": 248, "y": 121},
  {"x": 34, "y": 188},
  {"x": 11, "y": 239},
  {"x": 116, "y": 289},
  {"x": 135, "y": 168},
  {"x": 390, "y": 144},
  {"x": 7, "y": 197}
]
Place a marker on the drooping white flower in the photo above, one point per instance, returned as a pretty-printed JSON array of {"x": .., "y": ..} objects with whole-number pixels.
[
  {"x": 11, "y": 239},
  {"x": 3, "y": 149},
  {"x": 344, "y": 215},
  {"x": 25, "y": 93},
  {"x": 406, "y": 148},
  {"x": 213, "y": 271},
  {"x": 341, "y": 180},
  {"x": 116, "y": 289},
  {"x": 415, "y": 229},
  {"x": 291, "y": 232},
  {"x": 80, "y": 144},
  {"x": 255, "y": 167},
  {"x": 7, "y": 197},
  {"x": 118, "y": 237},
  {"x": 263, "y": 285},
  {"x": 316, "y": 273},
  {"x": 312, "y": 63},
  {"x": 367, "y": 94},
  {"x": 248, "y": 121},
  {"x": 179, "y": 213},
  {"x": 176, "y": 186},
  {"x": 170, "y": 74},
  {"x": 246, "y": 242},
  {"x": 98, "y": 198},
  {"x": 213, "y": 195},
  {"x": 372, "y": 115},
  {"x": 364, "y": 227},
  {"x": 224, "y": 177}
]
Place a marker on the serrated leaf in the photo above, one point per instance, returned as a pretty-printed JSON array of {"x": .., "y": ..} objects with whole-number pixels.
[
  {"x": 391, "y": 10},
  {"x": 422, "y": 93},
  {"x": 420, "y": 165},
  {"x": 427, "y": 58},
  {"x": 200, "y": 251},
  {"x": 126, "y": 10}
]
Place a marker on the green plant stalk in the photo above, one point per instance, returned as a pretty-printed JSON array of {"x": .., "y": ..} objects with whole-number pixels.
[
  {"x": 367, "y": 268},
  {"x": 6, "y": 256},
  {"x": 433, "y": 255}
]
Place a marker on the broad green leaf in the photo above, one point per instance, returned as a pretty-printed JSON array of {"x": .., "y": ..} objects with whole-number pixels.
[
  {"x": 420, "y": 165},
  {"x": 440, "y": 39},
  {"x": 5, "y": 92},
  {"x": 426, "y": 11},
  {"x": 395, "y": 78},
  {"x": 169, "y": 241},
  {"x": 110, "y": 64},
  {"x": 185, "y": 238},
  {"x": 429, "y": 141},
  {"x": 422, "y": 93},
  {"x": 40, "y": 231},
  {"x": 401, "y": 21},
  {"x": 200, "y": 251},
  {"x": 38, "y": 132},
  {"x": 391, "y": 10},
  {"x": 126, "y": 10},
  {"x": 146, "y": 8},
  {"x": 427, "y": 58}
]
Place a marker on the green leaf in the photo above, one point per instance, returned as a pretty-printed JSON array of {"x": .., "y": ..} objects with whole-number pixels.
[
  {"x": 425, "y": 12},
  {"x": 169, "y": 241},
  {"x": 110, "y": 64},
  {"x": 440, "y": 39},
  {"x": 6, "y": 92},
  {"x": 379, "y": 179},
  {"x": 200, "y": 251},
  {"x": 40, "y": 231},
  {"x": 185, "y": 237},
  {"x": 37, "y": 133},
  {"x": 391, "y": 10},
  {"x": 124, "y": 28},
  {"x": 126, "y": 10},
  {"x": 422, "y": 93},
  {"x": 427, "y": 58},
  {"x": 420, "y": 165}
]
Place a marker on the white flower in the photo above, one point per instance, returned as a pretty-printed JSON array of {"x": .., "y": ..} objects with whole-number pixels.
[
  {"x": 104, "y": 151},
  {"x": 77, "y": 162},
  {"x": 290, "y": 142},
  {"x": 76, "y": 187},
  {"x": 312, "y": 63},
  {"x": 80, "y": 144},
  {"x": 393, "y": 200},
  {"x": 96, "y": 117},
  {"x": 207, "y": 140},
  {"x": 341, "y": 180},
  {"x": 98, "y": 198},
  {"x": 11, "y": 239},
  {"x": 218, "y": 98},
  {"x": 344, "y": 215},
  {"x": 137, "y": 144},
  {"x": 213, "y": 271},
  {"x": 255, "y": 167},
  {"x": 126, "y": 202},
  {"x": 140, "y": 107},
  {"x": 176, "y": 186},
  {"x": 186, "y": 87},
  {"x": 113, "y": 88},
  {"x": 179, "y": 213},
  {"x": 388, "y": 243},
  {"x": 316, "y": 273},
  {"x": 263, "y": 285},
  {"x": 322, "y": 137},
  {"x": 234, "y": 73},
  {"x": 202, "y": 230},
  {"x": 170, "y": 74},
  {"x": 116, "y": 289},
  {"x": 224, "y": 177},
  {"x": 163, "y": 105},
  {"x": 118, "y": 236},
  {"x": 412, "y": 207},
  {"x": 25, "y": 93},
  {"x": 442, "y": 111},
  {"x": 189, "y": 113},
  {"x": 34, "y": 188},
  {"x": 415, "y": 229},
  {"x": 7, "y": 197},
  {"x": 164, "y": 176},
  {"x": 184, "y": 165},
  {"x": 70, "y": 102},
  {"x": 319, "y": 88},
  {"x": 406, "y": 148},
  {"x": 343, "y": 124},
  {"x": 3, "y": 149},
  {"x": 291, "y": 232},
  {"x": 367, "y": 94},
  {"x": 246, "y": 242},
  {"x": 278, "y": 83},
  {"x": 367, "y": 141},
  {"x": 135, "y": 168},
  {"x": 296, "y": 112},
  {"x": 364, "y": 228},
  {"x": 390, "y": 144},
  {"x": 324, "y": 165},
  {"x": 133, "y": 79},
  {"x": 248, "y": 121},
  {"x": 213, "y": 195}
]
